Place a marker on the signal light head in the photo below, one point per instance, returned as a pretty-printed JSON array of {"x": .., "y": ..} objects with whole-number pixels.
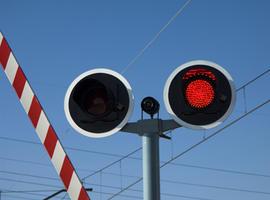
[
  {"x": 98, "y": 103},
  {"x": 199, "y": 94}
]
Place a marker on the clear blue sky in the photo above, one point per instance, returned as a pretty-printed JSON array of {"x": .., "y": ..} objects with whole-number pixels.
[{"x": 55, "y": 41}]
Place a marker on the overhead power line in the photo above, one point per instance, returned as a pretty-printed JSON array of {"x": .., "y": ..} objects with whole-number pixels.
[
  {"x": 97, "y": 192},
  {"x": 254, "y": 79},
  {"x": 197, "y": 144},
  {"x": 30, "y": 162},
  {"x": 29, "y": 175},
  {"x": 114, "y": 187},
  {"x": 255, "y": 174},
  {"x": 26, "y": 191},
  {"x": 128, "y": 155},
  {"x": 31, "y": 183},
  {"x": 212, "y": 169},
  {"x": 33, "y": 192},
  {"x": 138, "y": 149},
  {"x": 215, "y": 133},
  {"x": 123, "y": 195},
  {"x": 222, "y": 170},
  {"x": 111, "y": 164},
  {"x": 179, "y": 11},
  {"x": 190, "y": 184},
  {"x": 24, "y": 161},
  {"x": 19, "y": 197},
  {"x": 66, "y": 147},
  {"x": 135, "y": 158},
  {"x": 141, "y": 191},
  {"x": 218, "y": 187}
]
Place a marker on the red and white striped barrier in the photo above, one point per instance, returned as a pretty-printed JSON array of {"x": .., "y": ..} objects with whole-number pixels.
[{"x": 44, "y": 129}]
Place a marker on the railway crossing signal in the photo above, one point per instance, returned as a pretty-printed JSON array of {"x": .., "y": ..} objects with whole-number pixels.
[
  {"x": 199, "y": 94},
  {"x": 98, "y": 103}
]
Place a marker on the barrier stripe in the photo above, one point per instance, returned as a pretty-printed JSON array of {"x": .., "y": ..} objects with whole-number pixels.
[
  {"x": 4, "y": 52},
  {"x": 1, "y": 38},
  {"x": 35, "y": 111},
  {"x": 73, "y": 188},
  {"x": 58, "y": 157},
  {"x": 50, "y": 142},
  {"x": 19, "y": 82},
  {"x": 43, "y": 128},
  {"x": 27, "y": 96},
  {"x": 11, "y": 68},
  {"x": 66, "y": 172},
  {"x": 83, "y": 194}
]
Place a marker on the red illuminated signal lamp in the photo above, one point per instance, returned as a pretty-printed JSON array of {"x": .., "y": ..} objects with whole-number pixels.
[{"x": 199, "y": 94}]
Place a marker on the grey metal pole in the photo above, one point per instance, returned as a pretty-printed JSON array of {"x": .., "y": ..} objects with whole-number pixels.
[
  {"x": 151, "y": 130},
  {"x": 151, "y": 171}
]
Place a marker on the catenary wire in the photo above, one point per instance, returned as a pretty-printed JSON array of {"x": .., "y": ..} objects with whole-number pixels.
[
  {"x": 28, "y": 175},
  {"x": 26, "y": 191},
  {"x": 141, "y": 191},
  {"x": 19, "y": 197},
  {"x": 33, "y": 192},
  {"x": 191, "y": 184},
  {"x": 135, "y": 158},
  {"x": 253, "y": 80},
  {"x": 217, "y": 132},
  {"x": 162, "y": 180},
  {"x": 106, "y": 193},
  {"x": 66, "y": 147},
  {"x": 113, "y": 187},
  {"x": 179, "y": 11},
  {"x": 111, "y": 164},
  {"x": 237, "y": 90},
  {"x": 31, "y": 183},
  {"x": 221, "y": 170},
  {"x": 211, "y": 186},
  {"x": 197, "y": 144},
  {"x": 138, "y": 149},
  {"x": 128, "y": 155}
]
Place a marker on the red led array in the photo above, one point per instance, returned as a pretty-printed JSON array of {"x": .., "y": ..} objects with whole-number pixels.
[
  {"x": 200, "y": 72},
  {"x": 199, "y": 93}
]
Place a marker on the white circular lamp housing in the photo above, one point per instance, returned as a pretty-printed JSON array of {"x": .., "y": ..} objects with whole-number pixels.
[
  {"x": 176, "y": 102},
  {"x": 98, "y": 103}
]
